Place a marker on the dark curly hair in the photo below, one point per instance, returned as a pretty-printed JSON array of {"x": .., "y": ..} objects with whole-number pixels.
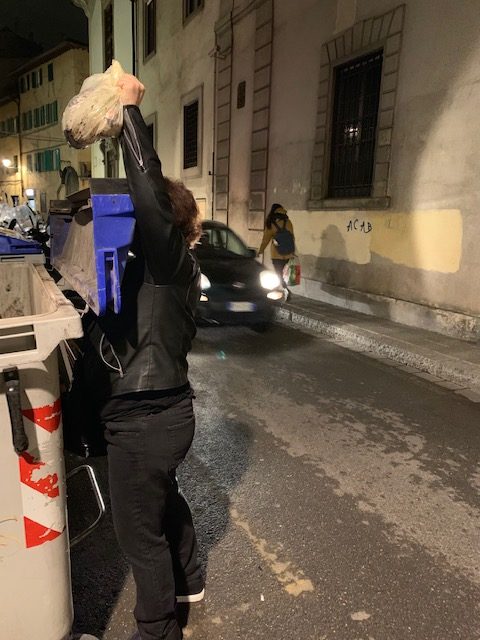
[{"x": 185, "y": 210}]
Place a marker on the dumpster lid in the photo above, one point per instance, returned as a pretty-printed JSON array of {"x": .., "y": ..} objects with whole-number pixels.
[
  {"x": 91, "y": 233},
  {"x": 13, "y": 243}
]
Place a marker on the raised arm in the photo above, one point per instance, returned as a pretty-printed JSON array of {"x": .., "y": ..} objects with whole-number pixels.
[{"x": 162, "y": 243}]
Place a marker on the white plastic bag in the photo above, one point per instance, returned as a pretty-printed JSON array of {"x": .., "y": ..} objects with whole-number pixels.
[
  {"x": 25, "y": 218},
  {"x": 96, "y": 112}
]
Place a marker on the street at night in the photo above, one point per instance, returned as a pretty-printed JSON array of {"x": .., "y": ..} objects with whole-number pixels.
[
  {"x": 239, "y": 265},
  {"x": 335, "y": 496}
]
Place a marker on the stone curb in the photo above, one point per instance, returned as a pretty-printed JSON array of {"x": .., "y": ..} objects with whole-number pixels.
[{"x": 459, "y": 372}]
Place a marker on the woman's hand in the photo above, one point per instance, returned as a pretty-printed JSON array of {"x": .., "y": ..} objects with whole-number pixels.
[{"x": 131, "y": 90}]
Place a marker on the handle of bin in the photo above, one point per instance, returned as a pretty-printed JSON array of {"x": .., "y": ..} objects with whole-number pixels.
[
  {"x": 98, "y": 497},
  {"x": 12, "y": 383}
]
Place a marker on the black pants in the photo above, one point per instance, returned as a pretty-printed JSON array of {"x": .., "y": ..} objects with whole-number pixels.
[
  {"x": 152, "y": 519},
  {"x": 279, "y": 265}
]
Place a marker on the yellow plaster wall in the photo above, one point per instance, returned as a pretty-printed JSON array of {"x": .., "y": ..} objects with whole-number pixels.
[
  {"x": 425, "y": 239},
  {"x": 10, "y": 182},
  {"x": 70, "y": 69}
]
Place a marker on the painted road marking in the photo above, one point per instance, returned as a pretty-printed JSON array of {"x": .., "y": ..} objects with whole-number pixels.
[{"x": 292, "y": 579}]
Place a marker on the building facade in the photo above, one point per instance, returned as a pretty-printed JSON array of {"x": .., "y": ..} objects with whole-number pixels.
[
  {"x": 357, "y": 115},
  {"x": 31, "y": 136}
]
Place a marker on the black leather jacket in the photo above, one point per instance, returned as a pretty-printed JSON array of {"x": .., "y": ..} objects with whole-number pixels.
[{"x": 145, "y": 346}]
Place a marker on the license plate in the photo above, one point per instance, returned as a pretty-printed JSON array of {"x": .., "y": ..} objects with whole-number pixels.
[{"x": 241, "y": 306}]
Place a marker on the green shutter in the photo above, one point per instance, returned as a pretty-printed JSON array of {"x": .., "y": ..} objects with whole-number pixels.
[
  {"x": 56, "y": 159},
  {"x": 55, "y": 111},
  {"x": 48, "y": 160}
]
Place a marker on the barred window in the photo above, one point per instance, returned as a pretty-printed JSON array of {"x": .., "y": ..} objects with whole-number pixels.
[
  {"x": 190, "y": 7},
  {"x": 190, "y": 135},
  {"x": 108, "y": 35},
  {"x": 241, "y": 94},
  {"x": 149, "y": 28},
  {"x": 354, "y": 127}
]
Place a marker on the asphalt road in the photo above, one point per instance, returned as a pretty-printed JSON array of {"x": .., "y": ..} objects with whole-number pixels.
[{"x": 336, "y": 498}]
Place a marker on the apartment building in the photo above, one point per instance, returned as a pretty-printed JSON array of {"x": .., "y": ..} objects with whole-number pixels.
[
  {"x": 359, "y": 116},
  {"x": 32, "y": 143}
]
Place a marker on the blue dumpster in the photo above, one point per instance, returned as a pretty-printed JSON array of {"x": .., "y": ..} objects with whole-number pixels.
[
  {"x": 91, "y": 233},
  {"x": 14, "y": 247}
]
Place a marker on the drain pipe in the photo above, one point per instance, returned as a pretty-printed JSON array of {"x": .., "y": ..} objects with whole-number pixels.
[{"x": 134, "y": 36}]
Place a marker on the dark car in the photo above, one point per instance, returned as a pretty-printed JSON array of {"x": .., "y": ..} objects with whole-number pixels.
[{"x": 236, "y": 289}]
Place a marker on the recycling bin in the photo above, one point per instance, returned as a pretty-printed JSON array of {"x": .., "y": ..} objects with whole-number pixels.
[
  {"x": 90, "y": 237},
  {"x": 16, "y": 248},
  {"x": 35, "y": 586}
]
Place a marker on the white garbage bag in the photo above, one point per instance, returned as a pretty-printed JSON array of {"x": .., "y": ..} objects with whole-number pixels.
[
  {"x": 97, "y": 111},
  {"x": 25, "y": 218}
]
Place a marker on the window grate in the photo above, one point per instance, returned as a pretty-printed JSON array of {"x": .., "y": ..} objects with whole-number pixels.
[
  {"x": 241, "y": 94},
  {"x": 190, "y": 7},
  {"x": 108, "y": 35},
  {"x": 355, "y": 112},
  {"x": 190, "y": 135},
  {"x": 149, "y": 27}
]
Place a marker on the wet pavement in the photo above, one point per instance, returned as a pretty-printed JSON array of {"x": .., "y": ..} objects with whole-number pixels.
[{"x": 335, "y": 497}]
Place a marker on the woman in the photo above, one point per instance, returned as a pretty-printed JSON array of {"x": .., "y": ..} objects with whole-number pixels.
[
  {"x": 279, "y": 231},
  {"x": 136, "y": 368}
]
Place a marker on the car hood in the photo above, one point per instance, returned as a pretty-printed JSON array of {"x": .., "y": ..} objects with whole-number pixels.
[{"x": 224, "y": 271}]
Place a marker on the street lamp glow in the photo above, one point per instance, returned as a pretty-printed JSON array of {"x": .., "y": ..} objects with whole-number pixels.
[{"x": 7, "y": 163}]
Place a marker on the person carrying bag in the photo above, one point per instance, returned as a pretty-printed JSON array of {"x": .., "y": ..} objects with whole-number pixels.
[{"x": 279, "y": 232}]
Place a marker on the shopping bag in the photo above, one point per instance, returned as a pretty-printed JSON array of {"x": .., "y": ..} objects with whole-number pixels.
[
  {"x": 97, "y": 111},
  {"x": 292, "y": 272}
]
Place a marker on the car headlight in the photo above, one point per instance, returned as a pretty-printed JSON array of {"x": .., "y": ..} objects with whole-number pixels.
[
  {"x": 204, "y": 282},
  {"x": 269, "y": 280}
]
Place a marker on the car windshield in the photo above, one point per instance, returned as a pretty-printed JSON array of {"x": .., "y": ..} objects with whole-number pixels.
[{"x": 222, "y": 241}]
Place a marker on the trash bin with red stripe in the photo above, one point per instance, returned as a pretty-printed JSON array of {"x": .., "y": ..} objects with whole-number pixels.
[{"x": 35, "y": 587}]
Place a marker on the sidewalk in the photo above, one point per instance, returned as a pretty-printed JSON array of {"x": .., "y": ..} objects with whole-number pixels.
[{"x": 449, "y": 362}]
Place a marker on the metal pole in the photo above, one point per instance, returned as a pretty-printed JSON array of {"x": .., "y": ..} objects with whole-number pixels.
[{"x": 20, "y": 145}]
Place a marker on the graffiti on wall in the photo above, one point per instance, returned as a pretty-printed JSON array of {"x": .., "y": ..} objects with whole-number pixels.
[{"x": 362, "y": 226}]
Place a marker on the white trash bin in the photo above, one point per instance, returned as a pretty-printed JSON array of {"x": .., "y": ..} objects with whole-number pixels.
[{"x": 35, "y": 586}]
